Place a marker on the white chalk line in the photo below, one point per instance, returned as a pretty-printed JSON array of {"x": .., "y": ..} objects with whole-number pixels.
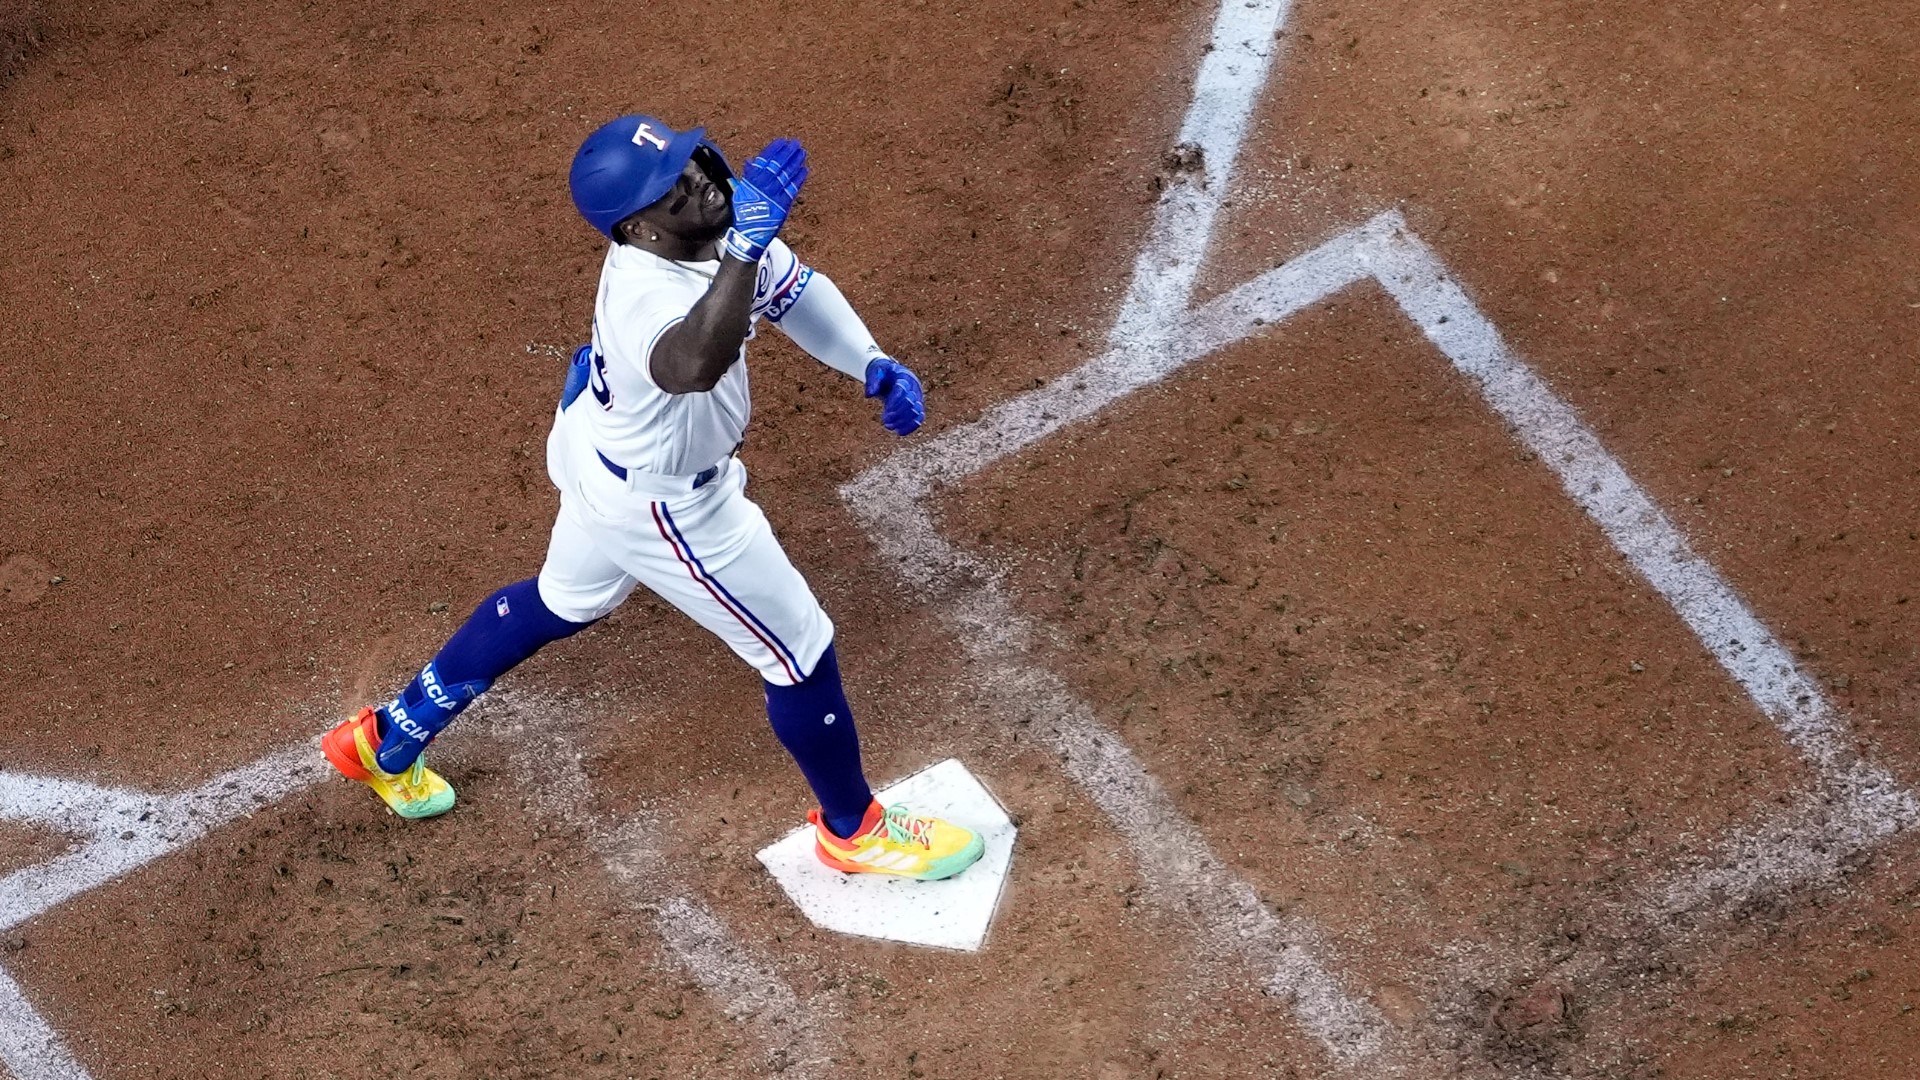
[
  {"x": 1864, "y": 803},
  {"x": 1179, "y": 869},
  {"x": 1232, "y": 73},
  {"x": 126, "y": 829},
  {"x": 1851, "y": 806},
  {"x": 1806, "y": 846},
  {"x": 135, "y": 828},
  {"x": 1854, "y": 803},
  {"x": 28, "y": 1047},
  {"x": 70, "y": 806},
  {"x": 1812, "y": 841},
  {"x": 130, "y": 828},
  {"x": 545, "y": 744},
  {"x": 1153, "y": 335},
  {"x": 1178, "y": 866},
  {"x": 1549, "y": 427}
]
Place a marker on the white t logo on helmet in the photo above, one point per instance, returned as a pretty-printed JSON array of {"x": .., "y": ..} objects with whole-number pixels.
[{"x": 643, "y": 136}]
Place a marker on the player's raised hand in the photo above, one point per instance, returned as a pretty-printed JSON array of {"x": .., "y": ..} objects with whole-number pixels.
[
  {"x": 763, "y": 195},
  {"x": 905, "y": 405}
]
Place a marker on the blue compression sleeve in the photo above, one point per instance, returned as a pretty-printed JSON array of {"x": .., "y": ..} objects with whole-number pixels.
[
  {"x": 505, "y": 629},
  {"x": 815, "y": 724}
]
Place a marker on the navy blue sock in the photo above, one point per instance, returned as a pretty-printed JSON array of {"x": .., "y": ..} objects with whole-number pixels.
[
  {"x": 814, "y": 723},
  {"x": 506, "y": 628}
]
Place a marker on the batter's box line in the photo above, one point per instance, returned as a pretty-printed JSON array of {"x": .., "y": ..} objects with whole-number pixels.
[
  {"x": 120, "y": 830},
  {"x": 123, "y": 829},
  {"x": 28, "y": 1047},
  {"x": 889, "y": 500},
  {"x": 126, "y": 828},
  {"x": 544, "y": 735}
]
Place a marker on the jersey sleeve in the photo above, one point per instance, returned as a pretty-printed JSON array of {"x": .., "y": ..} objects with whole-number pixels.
[
  {"x": 628, "y": 338},
  {"x": 783, "y": 277}
]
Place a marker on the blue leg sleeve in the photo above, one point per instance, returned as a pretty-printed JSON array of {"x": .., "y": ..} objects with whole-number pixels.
[
  {"x": 506, "y": 628},
  {"x": 814, "y": 723}
]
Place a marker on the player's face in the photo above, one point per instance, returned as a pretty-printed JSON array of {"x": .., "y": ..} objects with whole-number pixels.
[{"x": 696, "y": 209}]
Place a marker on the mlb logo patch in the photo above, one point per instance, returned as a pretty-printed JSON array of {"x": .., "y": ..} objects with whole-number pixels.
[{"x": 500, "y": 607}]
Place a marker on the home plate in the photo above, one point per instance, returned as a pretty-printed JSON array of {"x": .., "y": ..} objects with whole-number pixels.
[{"x": 950, "y": 914}]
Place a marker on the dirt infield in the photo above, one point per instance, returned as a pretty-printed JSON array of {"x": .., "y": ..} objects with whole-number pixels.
[
  {"x": 20, "y": 29},
  {"x": 286, "y": 294}
]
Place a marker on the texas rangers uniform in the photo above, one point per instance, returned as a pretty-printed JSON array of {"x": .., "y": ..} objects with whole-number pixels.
[
  {"x": 642, "y": 451},
  {"x": 650, "y": 490}
]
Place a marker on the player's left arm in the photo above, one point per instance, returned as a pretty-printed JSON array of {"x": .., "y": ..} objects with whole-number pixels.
[{"x": 812, "y": 310}]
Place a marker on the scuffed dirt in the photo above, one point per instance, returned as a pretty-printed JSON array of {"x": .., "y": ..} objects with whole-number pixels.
[
  {"x": 21, "y": 26},
  {"x": 24, "y": 845}
]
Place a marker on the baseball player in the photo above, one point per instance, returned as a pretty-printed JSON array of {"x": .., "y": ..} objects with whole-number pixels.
[{"x": 651, "y": 493}]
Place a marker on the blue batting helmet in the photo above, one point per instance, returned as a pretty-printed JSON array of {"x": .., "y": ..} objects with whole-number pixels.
[{"x": 628, "y": 164}]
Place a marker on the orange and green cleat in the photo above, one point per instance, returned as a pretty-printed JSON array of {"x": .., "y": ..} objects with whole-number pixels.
[
  {"x": 894, "y": 840},
  {"x": 419, "y": 792}
]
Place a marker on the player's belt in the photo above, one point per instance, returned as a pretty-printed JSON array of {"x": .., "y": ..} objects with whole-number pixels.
[{"x": 699, "y": 480}]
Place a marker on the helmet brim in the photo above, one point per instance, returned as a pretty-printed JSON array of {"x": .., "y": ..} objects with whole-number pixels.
[{"x": 679, "y": 151}]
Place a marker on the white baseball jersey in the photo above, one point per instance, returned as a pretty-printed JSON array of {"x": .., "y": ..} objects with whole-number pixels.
[
  {"x": 649, "y": 491},
  {"x": 624, "y": 414}
]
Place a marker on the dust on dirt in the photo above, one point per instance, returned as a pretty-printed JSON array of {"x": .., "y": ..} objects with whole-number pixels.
[
  {"x": 23, "y": 845},
  {"x": 21, "y": 23}
]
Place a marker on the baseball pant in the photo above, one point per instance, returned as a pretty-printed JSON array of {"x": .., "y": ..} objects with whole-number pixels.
[{"x": 707, "y": 550}]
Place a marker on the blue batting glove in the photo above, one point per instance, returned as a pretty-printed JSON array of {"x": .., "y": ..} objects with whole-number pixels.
[
  {"x": 763, "y": 196},
  {"x": 906, "y": 404}
]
